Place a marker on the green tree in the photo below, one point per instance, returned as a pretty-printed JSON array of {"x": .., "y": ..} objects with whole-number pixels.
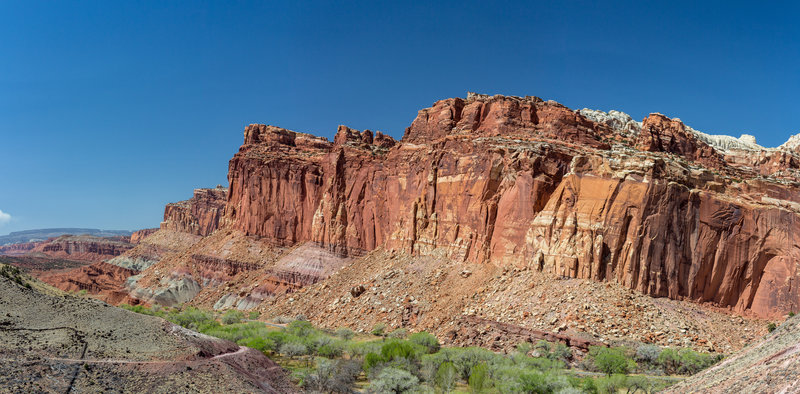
[
  {"x": 393, "y": 380},
  {"x": 426, "y": 340},
  {"x": 345, "y": 333},
  {"x": 232, "y": 316},
  {"x": 446, "y": 376},
  {"x": 613, "y": 361},
  {"x": 477, "y": 379}
]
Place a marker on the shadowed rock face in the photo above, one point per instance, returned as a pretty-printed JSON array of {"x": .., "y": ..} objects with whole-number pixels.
[{"x": 525, "y": 182}]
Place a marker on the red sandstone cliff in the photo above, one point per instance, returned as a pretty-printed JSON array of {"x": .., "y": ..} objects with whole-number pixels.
[
  {"x": 138, "y": 236},
  {"x": 198, "y": 215},
  {"x": 527, "y": 182}
]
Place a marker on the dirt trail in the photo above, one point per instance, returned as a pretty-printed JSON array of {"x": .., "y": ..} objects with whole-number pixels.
[{"x": 239, "y": 351}]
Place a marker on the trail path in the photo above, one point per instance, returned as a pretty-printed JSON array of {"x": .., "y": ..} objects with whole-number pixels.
[{"x": 239, "y": 351}]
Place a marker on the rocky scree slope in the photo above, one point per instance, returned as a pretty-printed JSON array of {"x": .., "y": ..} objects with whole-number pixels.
[
  {"x": 770, "y": 365},
  {"x": 52, "y": 342}
]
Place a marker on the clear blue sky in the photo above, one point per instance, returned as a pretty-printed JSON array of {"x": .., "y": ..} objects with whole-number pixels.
[{"x": 110, "y": 109}]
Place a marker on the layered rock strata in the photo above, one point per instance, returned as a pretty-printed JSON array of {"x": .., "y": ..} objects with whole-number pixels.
[
  {"x": 198, "y": 215},
  {"x": 531, "y": 183}
]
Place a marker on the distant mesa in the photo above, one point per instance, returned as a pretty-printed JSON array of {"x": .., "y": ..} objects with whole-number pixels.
[{"x": 43, "y": 234}]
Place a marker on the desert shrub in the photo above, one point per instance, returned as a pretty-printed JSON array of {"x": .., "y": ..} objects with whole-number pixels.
[
  {"x": 543, "y": 348},
  {"x": 294, "y": 349},
  {"x": 692, "y": 362},
  {"x": 379, "y": 329},
  {"x": 534, "y": 383},
  {"x": 281, "y": 320},
  {"x": 427, "y": 340},
  {"x": 524, "y": 348},
  {"x": 331, "y": 350},
  {"x": 261, "y": 344},
  {"x": 300, "y": 328},
  {"x": 361, "y": 349},
  {"x": 397, "y": 348},
  {"x": 467, "y": 358},
  {"x": 611, "y": 360},
  {"x": 193, "y": 319},
  {"x": 561, "y": 352},
  {"x": 647, "y": 353},
  {"x": 771, "y": 327},
  {"x": 669, "y": 360},
  {"x": 253, "y": 315},
  {"x": 477, "y": 379},
  {"x": 446, "y": 376},
  {"x": 301, "y": 317},
  {"x": 612, "y": 384},
  {"x": 232, "y": 316},
  {"x": 400, "y": 333},
  {"x": 345, "y": 333},
  {"x": 332, "y": 376},
  {"x": 393, "y": 380},
  {"x": 371, "y": 361}
]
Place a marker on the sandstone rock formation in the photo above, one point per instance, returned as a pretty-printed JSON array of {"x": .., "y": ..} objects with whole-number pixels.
[
  {"x": 85, "y": 248},
  {"x": 531, "y": 183},
  {"x": 198, "y": 215},
  {"x": 138, "y": 236}
]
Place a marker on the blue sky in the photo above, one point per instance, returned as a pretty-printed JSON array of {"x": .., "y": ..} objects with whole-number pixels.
[{"x": 110, "y": 109}]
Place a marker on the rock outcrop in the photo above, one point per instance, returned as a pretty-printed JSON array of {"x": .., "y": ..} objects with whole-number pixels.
[
  {"x": 198, "y": 215},
  {"x": 529, "y": 183},
  {"x": 138, "y": 236}
]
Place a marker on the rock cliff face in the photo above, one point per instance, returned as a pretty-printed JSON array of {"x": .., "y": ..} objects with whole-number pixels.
[
  {"x": 530, "y": 183},
  {"x": 138, "y": 236},
  {"x": 198, "y": 215},
  {"x": 84, "y": 248},
  {"x": 18, "y": 249}
]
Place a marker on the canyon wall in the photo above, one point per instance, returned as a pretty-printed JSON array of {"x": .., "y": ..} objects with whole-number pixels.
[
  {"x": 198, "y": 215},
  {"x": 530, "y": 183}
]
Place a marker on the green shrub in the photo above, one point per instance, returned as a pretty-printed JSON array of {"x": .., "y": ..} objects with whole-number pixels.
[
  {"x": 232, "y": 316},
  {"x": 668, "y": 360},
  {"x": 533, "y": 383},
  {"x": 393, "y": 380},
  {"x": 446, "y": 376},
  {"x": 261, "y": 344},
  {"x": 294, "y": 349},
  {"x": 253, "y": 315},
  {"x": 611, "y": 361},
  {"x": 427, "y": 340},
  {"x": 330, "y": 350},
  {"x": 396, "y": 349},
  {"x": 524, "y": 348},
  {"x": 337, "y": 376},
  {"x": 561, "y": 352},
  {"x": 648, "y": 353},
  {"x": 612, "y": 384},
  {"x": 771, "y": 327},
  {"x": 477, "y": 379},
  {"x": 372, "y": 360},
  {"x": 345, "y": 333},
  {"x": 467, "y": 358},
  {"x": 543, "y": 348},
  {"x": 791, "y": 314},
  {"x": 400, "y": 333},
  {"x": 300, "y": 328},
  {"x": 379, "y": 329}
]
